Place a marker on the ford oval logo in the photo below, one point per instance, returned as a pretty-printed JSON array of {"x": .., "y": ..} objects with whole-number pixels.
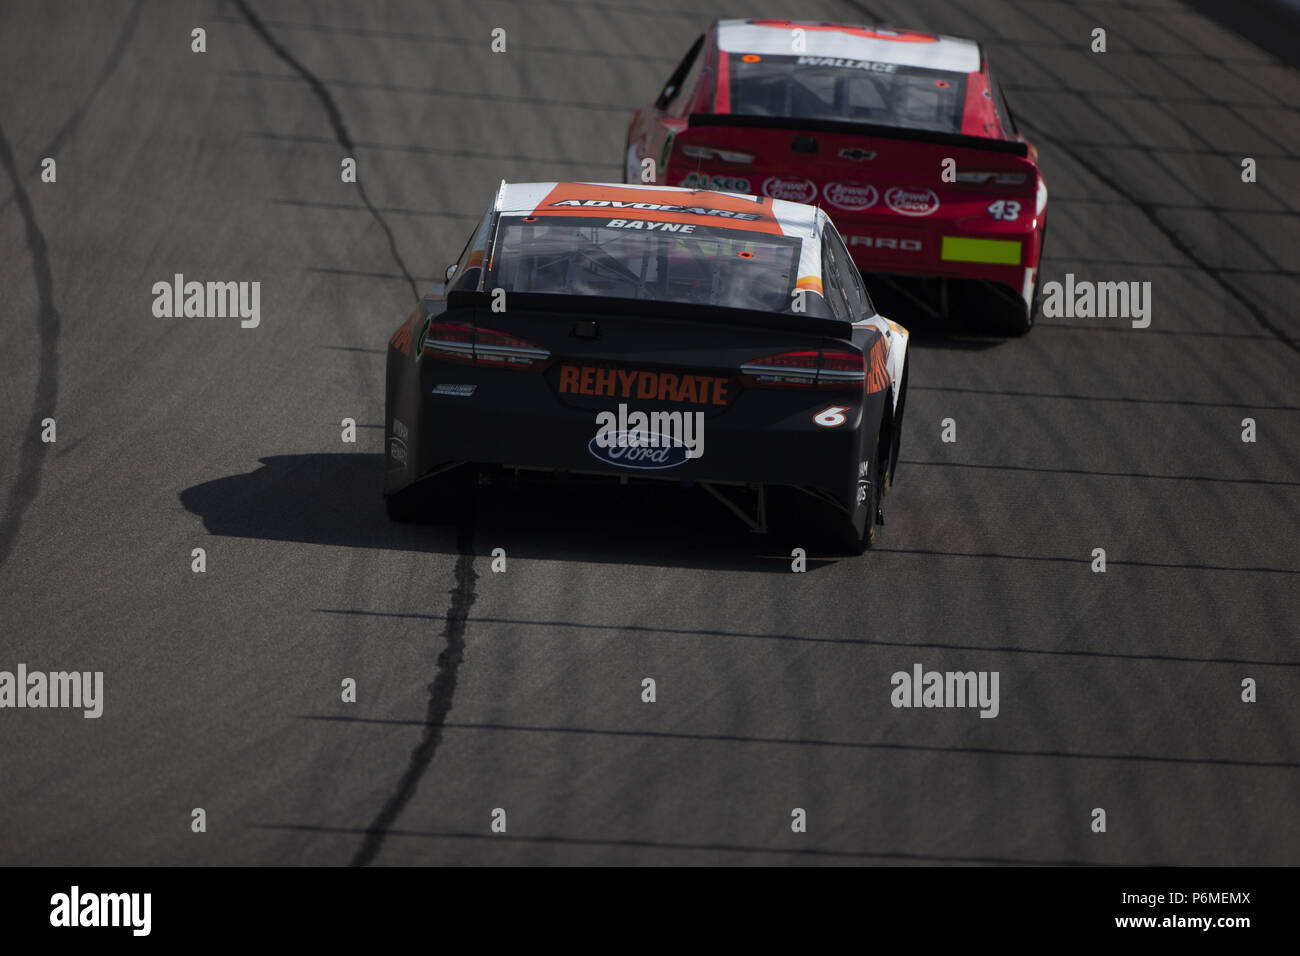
[{"x": 620, "y": 452}]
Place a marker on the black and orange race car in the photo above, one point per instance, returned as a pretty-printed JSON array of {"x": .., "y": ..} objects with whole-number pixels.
[
  {"x": 903, "y": 137},
  {"x": 650, "y": 332}
]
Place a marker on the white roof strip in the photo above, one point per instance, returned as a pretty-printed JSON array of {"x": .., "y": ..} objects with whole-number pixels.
[{"x": 951, "y": 54}]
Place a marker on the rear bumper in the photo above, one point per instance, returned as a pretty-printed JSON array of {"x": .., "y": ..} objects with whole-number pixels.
[
  {"x": 513, "y": 418},
  {"x": 941, "y": 249}
]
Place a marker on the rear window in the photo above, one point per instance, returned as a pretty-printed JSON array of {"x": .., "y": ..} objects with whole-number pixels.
[
  {"x": 634, "y": 259},
  {"x": 858, "y": 91}
]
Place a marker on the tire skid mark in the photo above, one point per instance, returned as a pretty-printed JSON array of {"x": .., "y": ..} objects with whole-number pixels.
[
  {"x": 336, "y": 123},
  {"x": 441, "y": 693},
  {"x": 109, "y": 67},
  {"x": 28, "y": 482},
  {"x": 442, "y": 690}
]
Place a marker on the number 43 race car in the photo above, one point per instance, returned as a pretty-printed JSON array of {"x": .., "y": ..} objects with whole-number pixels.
[
  {"x": 647, "y": 332},
  {"x": 904, "y": 138}
]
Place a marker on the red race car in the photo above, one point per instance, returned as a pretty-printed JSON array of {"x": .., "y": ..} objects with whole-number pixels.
[{"x": 904, "y": 138}]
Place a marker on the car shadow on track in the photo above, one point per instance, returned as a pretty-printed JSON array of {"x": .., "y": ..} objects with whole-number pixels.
[{"x": 334, "y": 499}]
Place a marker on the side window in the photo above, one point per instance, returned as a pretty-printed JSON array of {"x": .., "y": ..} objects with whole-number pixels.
[
  {"x": 689, "y": 86},
  {"x": 679, "y": 80},
  {"x": 469, "y": 268},
  {"x": 831, "y": 288},
  {"x": 855, "y": 292},
  {"x": 1004, "y": 110}
]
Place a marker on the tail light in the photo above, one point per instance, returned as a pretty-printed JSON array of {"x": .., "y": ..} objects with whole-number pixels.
[
  {"x": 461, "y": 342},
  {"x": 710, "y": 152},
  {"x": 812, "y": 369},
  {"x": 451, "y": 341},
  {"x": 503, "y": 350},
  {"x": 991, "y": 177}
]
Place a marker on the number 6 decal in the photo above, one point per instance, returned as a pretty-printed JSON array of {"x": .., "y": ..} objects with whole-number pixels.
[{"x": 832, "y": 416}]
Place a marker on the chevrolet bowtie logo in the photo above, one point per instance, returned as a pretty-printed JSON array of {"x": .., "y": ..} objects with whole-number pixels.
[{"x": 857, "y": 153}]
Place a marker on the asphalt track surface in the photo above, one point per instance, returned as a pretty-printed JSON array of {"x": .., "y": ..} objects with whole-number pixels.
[{"x": 522, "y": 691}]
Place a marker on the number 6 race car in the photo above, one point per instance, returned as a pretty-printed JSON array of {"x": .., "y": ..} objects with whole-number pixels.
[
  {"x": 650, "y": 332},
  {"x": 903, "y": 137}
]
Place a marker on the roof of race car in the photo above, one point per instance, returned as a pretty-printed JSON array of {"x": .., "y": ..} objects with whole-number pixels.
[
  {"x": 879, "y": 44},
  {"x": 733, "y": 211}
]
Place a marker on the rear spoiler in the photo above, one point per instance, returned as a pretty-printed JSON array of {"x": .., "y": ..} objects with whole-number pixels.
[
  {"x": 1011, "y": 146},
  {"x": 680, "y": 311}
]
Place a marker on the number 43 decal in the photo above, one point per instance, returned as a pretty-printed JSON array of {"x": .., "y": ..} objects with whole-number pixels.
[
  {"x": 1007, "y": 209},
  {"x": 832, "y": 416}
]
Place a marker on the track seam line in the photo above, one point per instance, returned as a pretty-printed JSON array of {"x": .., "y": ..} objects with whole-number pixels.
[{"x": 340, "y": 131}]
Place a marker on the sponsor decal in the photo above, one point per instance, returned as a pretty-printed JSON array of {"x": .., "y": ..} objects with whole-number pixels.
[
  {"x": 401, "y": 339},
  {"x": 422, "y": 337},
  {"x": 1004, "y": 252},
  {"x": 794, "y": 189},
  {"x": 633, "y": 383},
  {"x": 397, "y": 443},
  {"x": 878, "y": 366},
  {"x": 629, "y": 202},
  {"x": 864, "y": 480},
  {"x": 649, "y": 225},
  {"x": 666, "y": 150},
  {"x": 658, "y": 207},
  {"x": 912, "y": 202},
  {"x": 732, "y": 184},
  {"x": 456, "y": 391},
  {"x": 872, "y": 66},
  {"x": 851, "y": 196},
  {"x": 856, "y": 153},
  {"x": 624, "y": 455},
  {"x": 885, "y": 242},
  {"x": 650, "y": 440},
  {"x": 832, "y": 416}
]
